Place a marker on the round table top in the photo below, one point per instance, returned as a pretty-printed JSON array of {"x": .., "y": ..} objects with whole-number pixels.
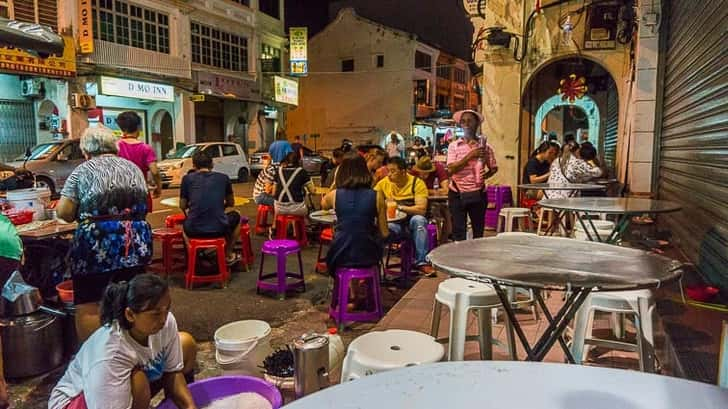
[
  {"x": 562, "y": 186},
  {"x": 528, "y": 260},
  {"x": 174, "y": 201},
  {"x": 611, "y": 205},
  {"x": 498, "y": 384},
  {"x": 329, "y": 216}
]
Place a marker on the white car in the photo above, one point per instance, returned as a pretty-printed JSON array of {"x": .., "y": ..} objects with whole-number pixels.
[{"x": 227, "y": 158}]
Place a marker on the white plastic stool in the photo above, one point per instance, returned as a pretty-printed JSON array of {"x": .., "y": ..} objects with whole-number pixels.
[
  {"x": 550, "y": 218},
  {"x": 509, "y": 214},
  {"x": 380, "y": 351},
  {"x": 638, "y": 303},
  {"x": 460, "y": 296}
]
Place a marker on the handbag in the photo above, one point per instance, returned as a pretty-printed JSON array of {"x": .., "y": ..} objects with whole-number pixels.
[
  {"x": 468, "y": 198},
  {"x": 290, "y": 207}
]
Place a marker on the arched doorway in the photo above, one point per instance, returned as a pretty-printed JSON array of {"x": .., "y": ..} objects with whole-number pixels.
[
  {"x": 49, "y": 122},
  {"x": 597, "y": 110},
  {"x": 162, "y": 133}
]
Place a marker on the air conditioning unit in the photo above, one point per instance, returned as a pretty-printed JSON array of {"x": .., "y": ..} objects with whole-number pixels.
[
  {"x": 31, "y": 88},
  {"x": 83, "y": 101}
]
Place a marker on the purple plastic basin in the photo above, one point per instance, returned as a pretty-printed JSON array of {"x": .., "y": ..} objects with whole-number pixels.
[{"x": 211, "y": 389}]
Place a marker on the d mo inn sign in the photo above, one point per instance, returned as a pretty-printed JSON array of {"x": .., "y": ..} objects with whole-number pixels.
[{"x": 137, "y": 89}]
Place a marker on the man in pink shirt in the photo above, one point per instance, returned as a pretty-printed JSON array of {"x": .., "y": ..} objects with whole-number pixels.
[
  {"x": 470, "y": 160},
  {"x": 143, "y": 155}
]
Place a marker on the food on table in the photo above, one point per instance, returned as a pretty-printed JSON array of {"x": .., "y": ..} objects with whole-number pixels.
[{"x": 245, "y": 400}]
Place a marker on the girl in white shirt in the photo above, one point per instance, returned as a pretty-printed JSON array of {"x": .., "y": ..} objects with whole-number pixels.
[{"x": 136, "y": 353}]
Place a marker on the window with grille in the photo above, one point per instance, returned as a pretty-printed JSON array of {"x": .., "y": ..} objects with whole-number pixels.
[
  {"x": 270, "y": 58},
  {"x": 270, "y": 7},
  {"x": 43, "y": 12},
  {"x": 125, "y": 23},
  {"x": 443, "y": 71},
  {"x": 460, "y": 76},
  {"x": 220, "y": 49},
  {"x": 423, "y": 61}
]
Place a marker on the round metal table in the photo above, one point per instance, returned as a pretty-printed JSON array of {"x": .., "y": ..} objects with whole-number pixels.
[
  {"x": 499, "y": 384},
  {"x": 574, "y": 188},
  {"x": 174, "y": 201},
  {"x": 624, "y": 208},
  {"x": 329, "y": 216},
  {"x": 552, "y": 263}
]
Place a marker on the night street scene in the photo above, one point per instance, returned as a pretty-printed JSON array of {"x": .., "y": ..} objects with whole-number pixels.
[{"x": 370, "y": 204}]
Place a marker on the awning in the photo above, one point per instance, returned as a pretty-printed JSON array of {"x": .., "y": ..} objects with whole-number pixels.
[{"x": 34, "y": 38}]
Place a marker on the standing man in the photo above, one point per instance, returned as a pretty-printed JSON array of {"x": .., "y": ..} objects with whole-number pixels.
[
  {"x": 395, "y": 148},
  {"x": 297, "y": 146},
  {"x": 280, "y": 148},
  {"x": 470, "y": 160}
]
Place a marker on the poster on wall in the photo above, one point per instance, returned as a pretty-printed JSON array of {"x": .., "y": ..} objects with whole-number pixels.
[
  {"x": 107, "y": 118},
  {"x": 299, "y": 50},
  {"x": 286, "y": 90}
]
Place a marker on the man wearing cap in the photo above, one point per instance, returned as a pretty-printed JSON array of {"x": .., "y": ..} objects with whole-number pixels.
[
  {"x": 429, "y": 172},
  {"x": 470, "y": 160}
]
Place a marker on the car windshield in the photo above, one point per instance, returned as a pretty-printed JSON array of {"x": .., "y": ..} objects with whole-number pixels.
[
  {"x": 184, "y": 152},
  {"x": 41, "y": 152}
]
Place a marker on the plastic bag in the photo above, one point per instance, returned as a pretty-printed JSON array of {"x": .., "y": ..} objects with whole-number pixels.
[{"x": 15, "y": 287}]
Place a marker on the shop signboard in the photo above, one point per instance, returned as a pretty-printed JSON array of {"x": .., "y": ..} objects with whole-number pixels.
[
  {"x": 299, "y": 50},
  {"x": 286, "y": 90},
  {"x": 226, "y": 86},
  {"x": 15, "y": 60},
  {"x": 85, "y": 27},
  {"x": 136, "y": 89}
]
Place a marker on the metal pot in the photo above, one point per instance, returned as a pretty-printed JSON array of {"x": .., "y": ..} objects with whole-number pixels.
[
  {"x": 25, "y": 304},
  {"x": 32, "y": 344}
]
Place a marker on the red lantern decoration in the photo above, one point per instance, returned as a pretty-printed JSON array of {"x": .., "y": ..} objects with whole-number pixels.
[{"x": 572, "y": 88}]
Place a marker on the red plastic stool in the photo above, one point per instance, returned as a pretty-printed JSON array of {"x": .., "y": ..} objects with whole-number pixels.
[
  {"x": 174, "y": 220},
  {"x": 299, "y": 228},
  {"x": 245, "y": 243},
  {"x": 172, "y": 242},
  {"x": 261, "y": 220},
  {"x": 197, "y": 244},
  {"x": 327, "y": 235}
]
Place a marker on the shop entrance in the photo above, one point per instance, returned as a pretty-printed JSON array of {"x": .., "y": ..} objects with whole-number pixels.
[
  {"x": 209, "y": 126},
  {"x": 163, "y": 133}
]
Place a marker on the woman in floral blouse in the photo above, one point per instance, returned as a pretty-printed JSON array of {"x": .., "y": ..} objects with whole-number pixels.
[
  {"x": 107, "y": 195},
  {"x": 569, "y": 168}
]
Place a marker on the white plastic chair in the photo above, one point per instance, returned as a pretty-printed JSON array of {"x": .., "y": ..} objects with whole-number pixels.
[{"x": 513, "y": 213}]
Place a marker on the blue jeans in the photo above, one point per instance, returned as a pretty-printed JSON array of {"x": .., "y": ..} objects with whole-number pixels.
[
  {"x": 264, "y": 199},
  {"x": 418, "y": 229}
]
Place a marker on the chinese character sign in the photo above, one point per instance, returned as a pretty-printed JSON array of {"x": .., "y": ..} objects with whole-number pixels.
[
  {"x": 299, "y": 50},
  {"x": 286, "y": 90}
]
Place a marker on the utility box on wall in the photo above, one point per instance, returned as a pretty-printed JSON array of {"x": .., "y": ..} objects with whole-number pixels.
[{"x": 601, "y": 27}]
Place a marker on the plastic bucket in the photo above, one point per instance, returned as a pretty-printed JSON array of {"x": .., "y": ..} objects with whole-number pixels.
[
  {"x": 241, "y": 347},
  {"x": 34, "y": 199},
  {"x": 206, "y": 391},
  {"x": 65, "y": 291},
  {"x": 604, "y": 228}
]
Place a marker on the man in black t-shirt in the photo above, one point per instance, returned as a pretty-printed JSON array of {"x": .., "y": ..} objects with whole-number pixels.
[
  {"x": 537, "y": 168},
  {"x": 204, "y": 195}
]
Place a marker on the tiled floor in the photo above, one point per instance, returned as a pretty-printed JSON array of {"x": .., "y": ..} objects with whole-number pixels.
[{"x": 414, "y": 312}]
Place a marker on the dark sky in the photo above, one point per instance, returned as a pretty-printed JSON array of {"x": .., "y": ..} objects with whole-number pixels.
[{"x": 441, "y": 23}]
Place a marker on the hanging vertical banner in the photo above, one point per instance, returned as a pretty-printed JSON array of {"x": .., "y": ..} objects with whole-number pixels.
[
  {"x": 85, "y": 27},
  {"x": 299, "y": 50}
]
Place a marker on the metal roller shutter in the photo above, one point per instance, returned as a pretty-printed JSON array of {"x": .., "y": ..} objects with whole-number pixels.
[
  {"x": 610, "y": 127},
  {"x": 17, "y": 131},
  {"x": 693, "y": 167}
]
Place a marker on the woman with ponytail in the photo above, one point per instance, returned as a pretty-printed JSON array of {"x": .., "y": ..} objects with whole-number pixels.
[
  {"x": 136, "y": 353},
  {"x": 570, "y": 168}
]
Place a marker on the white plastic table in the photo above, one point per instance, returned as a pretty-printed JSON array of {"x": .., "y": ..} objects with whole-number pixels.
[
  {"x": 517, "y": 385},
  {"x": 329, "y": 216}
]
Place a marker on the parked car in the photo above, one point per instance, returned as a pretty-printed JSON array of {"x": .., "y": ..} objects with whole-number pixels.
[
  {"x": 313, "y": 162},
  {"x": 52, "y": 163},
  {"x": 227, "y": 158}
]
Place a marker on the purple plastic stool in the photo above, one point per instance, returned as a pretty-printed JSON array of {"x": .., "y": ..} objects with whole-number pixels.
[
  {"x": 281, "y": 249},
  {"x": 500, "y": 196},
  {"x": 431, "y": 236},
  {"x": 403, "y": 269},
  {"x": 208, "y": 390},
  {"x": 340, "y": 296}
]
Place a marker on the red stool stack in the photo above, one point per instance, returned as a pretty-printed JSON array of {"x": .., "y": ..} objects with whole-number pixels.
[
  {"x": 299, "y": 228},
  {"x": 326, "y": 237},
  {"x": 261, "y": 220},
  {"x": 197, "y": 244},
  {"x": 172, "y": 242}
]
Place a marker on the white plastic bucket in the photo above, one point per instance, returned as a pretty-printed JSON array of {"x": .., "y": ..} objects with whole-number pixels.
[
  {"x": 34, "y": 199},
  {"x": 241, "y": 347},
  {"x": 604, "y": 228}
]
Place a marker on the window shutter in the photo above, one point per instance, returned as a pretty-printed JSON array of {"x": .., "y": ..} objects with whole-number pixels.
[
  {"x": 48, "y": 13},
  {"x": 24, "y": 10}
]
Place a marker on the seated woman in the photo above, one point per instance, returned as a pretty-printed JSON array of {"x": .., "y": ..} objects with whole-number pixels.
[
  {"x": 291, "y": 183},
  {"x": 136, "y": 353},
  {"x": 113, "y": 242},
  {"x": 569, "y": 168}
]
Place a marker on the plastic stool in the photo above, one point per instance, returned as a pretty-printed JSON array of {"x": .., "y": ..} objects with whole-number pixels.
[
  {"x": 513, "y": 213},
  {"x": 431, "y": 236},
  {"x": 499, "y": 196},
  {"x": 281, "y": 249},
  {"x": 174, "y": 220},
  {"x": 299, "y": 228},
  {"x": 197, "y": 244},
  {"x": 172, "y": 241},
  {"x": 326, "y": 237},
  {"x": 380, "y": 351},
  {"x": 638, "y": 303},
  {"x": 550, "y": 214},
  {"x": 340, "y": 295},
  {"x": 245, "y": 242},
  {"x": 403, "y": 269},
  {"x": 460, "y": 296},
  {"x": 261, "y": 219}
]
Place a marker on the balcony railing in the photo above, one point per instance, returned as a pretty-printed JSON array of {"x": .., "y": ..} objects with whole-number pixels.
[{"x": 137, "y": 59}]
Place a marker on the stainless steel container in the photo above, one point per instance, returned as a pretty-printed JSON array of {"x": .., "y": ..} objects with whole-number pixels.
[
  {"x": 32, "y": 344},
  {"x": 311, "y": 364},
  {"x": 26, "y": 303}
]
